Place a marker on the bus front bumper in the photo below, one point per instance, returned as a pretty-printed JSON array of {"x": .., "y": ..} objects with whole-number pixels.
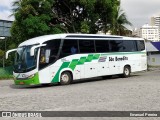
[{"x": 28, "y": 81}]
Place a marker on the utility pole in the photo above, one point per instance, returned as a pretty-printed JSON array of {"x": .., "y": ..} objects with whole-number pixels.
[
  {"x": 4, "y": 53},
  {"x": 4, "y": 50}
]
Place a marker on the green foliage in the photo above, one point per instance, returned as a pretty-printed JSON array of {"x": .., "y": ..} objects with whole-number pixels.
[
  {"x": 119, "y": 21},
  {"x": 84, "y": 27},
  {"x": 6, "y": 73},
  {"x": 40, "y": 17},
  {"x": 32, "y": 18},
  {"x": 6, "y": 44},
  {"x": 1, "y": 53}
]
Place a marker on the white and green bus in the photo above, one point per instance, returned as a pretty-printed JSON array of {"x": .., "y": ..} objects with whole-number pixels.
[{"x": 63, "y": 58}]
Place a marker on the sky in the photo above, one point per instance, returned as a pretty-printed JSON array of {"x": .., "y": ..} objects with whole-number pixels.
[
  {"x": 5, "y": 9},
  {"x": 138, "y": 11}
]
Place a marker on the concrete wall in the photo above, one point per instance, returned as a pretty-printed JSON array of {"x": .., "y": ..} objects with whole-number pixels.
[{"x": 153, "y": 59}]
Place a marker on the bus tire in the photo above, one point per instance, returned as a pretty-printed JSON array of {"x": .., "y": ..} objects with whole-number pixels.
[
  {"x": 65, "y": 78},
  {"x": 126, "y": 71}
]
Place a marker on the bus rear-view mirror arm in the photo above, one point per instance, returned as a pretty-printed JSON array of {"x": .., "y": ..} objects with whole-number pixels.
[
  {"x": 34, "y": 47},
  {"x": 9, "y": 51}
]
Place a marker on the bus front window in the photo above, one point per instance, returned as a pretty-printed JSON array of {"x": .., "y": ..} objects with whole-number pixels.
[{"x": 23, "y": 61}]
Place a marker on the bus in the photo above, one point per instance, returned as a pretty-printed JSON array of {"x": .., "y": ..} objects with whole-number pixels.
[{"x": 63, "y": 58}]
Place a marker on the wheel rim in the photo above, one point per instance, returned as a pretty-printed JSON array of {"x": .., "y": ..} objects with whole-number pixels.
[
  {"x": 65, "y": 78},
  {"x": 126, "y": 71}
]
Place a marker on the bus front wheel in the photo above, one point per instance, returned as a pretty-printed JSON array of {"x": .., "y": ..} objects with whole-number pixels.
[
  {"x": 65, "y": 78},
  {"x": 126, "y": 72}
]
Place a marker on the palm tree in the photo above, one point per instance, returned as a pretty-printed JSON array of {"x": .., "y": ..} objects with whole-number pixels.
[
  {"x": 16, "y": 5},
  {"x": 119, "y": 22}
]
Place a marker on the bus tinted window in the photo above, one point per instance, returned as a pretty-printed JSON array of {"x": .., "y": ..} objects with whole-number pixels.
[
  {"x": 129, "y": 46},
  {"x": 69, "y": 47},
  {"x": 116, "y": 45},
  {"x": 48, "y": 53},
  {"x": 102, "y": 46},
  {"x": 86, "y": 46},
  {"x": 140, "y": 45}
]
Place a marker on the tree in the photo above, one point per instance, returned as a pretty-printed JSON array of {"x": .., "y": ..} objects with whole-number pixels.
[
  {"x": 1, "y": 53},
  {"x": 16, "y": 6},
  {"x": 40, "y": 17},
  {"x": 119, "y": 22},
  {"x": 84, "y": 27},
  {"x": 105, "y": 10},
  {"x": 33, "y": 18},
  {"x": 73, "y": 14}
]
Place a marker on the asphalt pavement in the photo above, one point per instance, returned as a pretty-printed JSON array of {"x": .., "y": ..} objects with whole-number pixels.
[{"x": 140, "y": 92}]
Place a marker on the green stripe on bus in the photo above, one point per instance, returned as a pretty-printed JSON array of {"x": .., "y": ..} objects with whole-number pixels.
[
  {"x": 89, "y": 58},
  {"x": 96, "y": 56},
  {"x": 64, "y": 65},
  {"x": 73, "y": 64},
  {"x": 81, "y": 61}
]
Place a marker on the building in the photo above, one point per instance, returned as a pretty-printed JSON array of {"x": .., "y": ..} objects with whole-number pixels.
[
  {"x": 136, "y": 33},
  {"x": 150, "y": 33},
  {"x": 5, "y": 26},
  {"x": 155, "y": 21},
  {"x": 153, "y": 53}
]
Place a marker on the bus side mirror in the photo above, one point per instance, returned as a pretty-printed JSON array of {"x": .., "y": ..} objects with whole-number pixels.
[
  {"x": 9, "y": 51},
  {"x": 34, "y": 47}
]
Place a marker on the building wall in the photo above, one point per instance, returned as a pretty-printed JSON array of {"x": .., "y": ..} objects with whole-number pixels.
[
  {"x": 148, "y": 32},
  {"x": 155, "y": 21},
  {"x": 153, "y": 59},
  {"x": 5, "y": 28}
]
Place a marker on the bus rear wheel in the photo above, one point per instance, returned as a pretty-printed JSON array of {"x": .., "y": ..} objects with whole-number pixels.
[
  {"x": 126, "y": 72},
  {"x": 65, "y": 78}
]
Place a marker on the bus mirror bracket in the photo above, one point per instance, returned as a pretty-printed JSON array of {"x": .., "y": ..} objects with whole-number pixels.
[
  {"x": 34, "y": 47},
  {"x": 9, "y": 51}
]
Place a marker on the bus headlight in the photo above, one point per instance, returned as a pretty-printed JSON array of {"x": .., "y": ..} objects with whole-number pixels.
[{"x": 31, "y": 76}]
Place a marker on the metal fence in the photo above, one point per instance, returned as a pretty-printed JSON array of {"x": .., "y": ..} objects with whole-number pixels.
[{"x": 6, "y": 73}]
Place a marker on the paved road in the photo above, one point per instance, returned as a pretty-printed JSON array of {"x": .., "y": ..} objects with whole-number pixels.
[{"x": 140, "y": 92}]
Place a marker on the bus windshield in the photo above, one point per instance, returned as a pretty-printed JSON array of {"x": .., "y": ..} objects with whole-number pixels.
[{"x": 23, "y": 61}]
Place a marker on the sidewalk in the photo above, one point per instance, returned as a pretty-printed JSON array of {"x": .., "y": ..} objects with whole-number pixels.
[{"x": 153, "y": 68}]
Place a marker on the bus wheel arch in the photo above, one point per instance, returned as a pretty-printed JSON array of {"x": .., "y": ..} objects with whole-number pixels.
[
  {"x": 66, "y": 77},
  {"x": 126, "y": 71}
]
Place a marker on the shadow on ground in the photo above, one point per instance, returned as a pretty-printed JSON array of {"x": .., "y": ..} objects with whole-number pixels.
[{"x": 114, "y": 77}]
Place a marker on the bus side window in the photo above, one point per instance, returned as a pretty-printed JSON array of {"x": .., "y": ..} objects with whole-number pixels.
[
  {"x": 140, "y": 45},
  {"x": 129, "y": 46},
  {"x": 116, "y": 45},
  {"x": 86, "y": 46},
  {"x": 69, "y": 47},
  {"x": 102, "y": 45},
  {"x": 48, "y": 54},
  {"x": 42, "y": 56}
]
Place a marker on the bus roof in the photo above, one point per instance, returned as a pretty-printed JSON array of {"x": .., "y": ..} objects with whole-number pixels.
[{"x": 42, "y": 39}]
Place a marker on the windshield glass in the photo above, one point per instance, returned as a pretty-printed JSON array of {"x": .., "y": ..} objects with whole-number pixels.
[{"x": 23, "y": 61}]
